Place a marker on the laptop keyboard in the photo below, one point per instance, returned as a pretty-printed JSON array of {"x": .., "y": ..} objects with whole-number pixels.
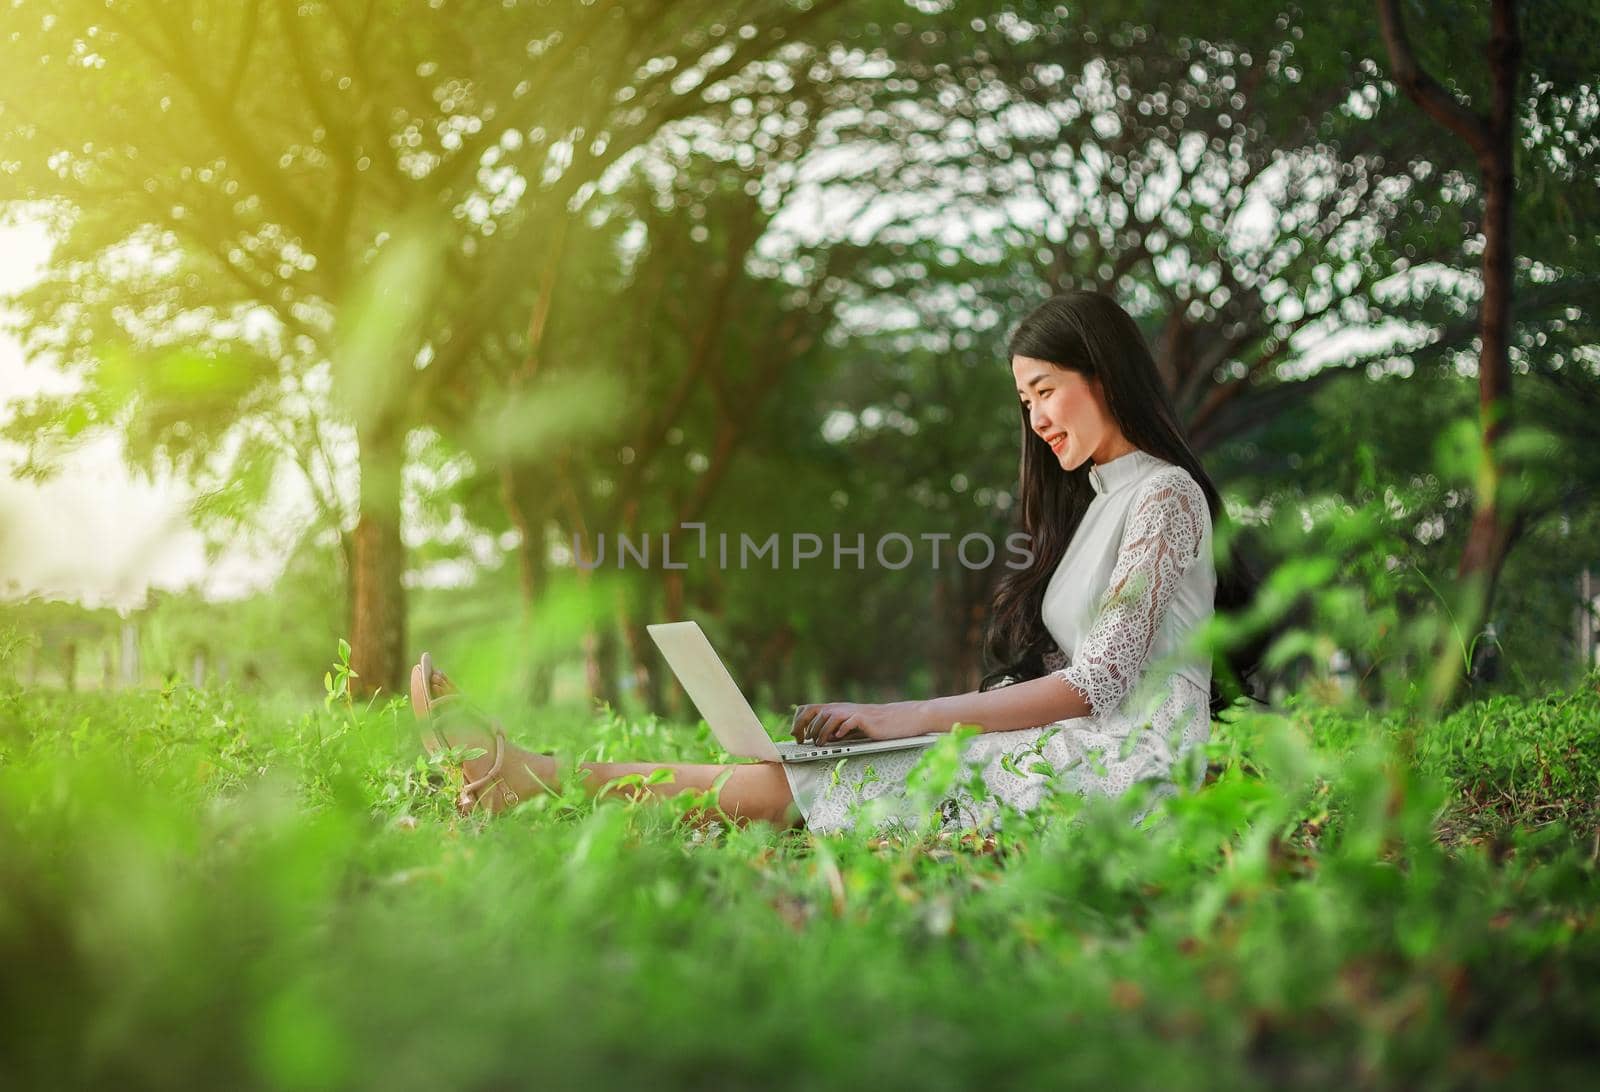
[{"x": 811, "y": 748}]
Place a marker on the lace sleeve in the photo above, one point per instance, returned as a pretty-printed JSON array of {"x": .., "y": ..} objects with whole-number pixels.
[{"x": 1162, "y": 539}]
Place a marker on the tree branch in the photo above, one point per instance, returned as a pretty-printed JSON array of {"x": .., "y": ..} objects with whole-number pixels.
[{"x": 1423, "y": 89}]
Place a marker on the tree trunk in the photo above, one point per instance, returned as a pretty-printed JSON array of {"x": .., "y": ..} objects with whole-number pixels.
[
  {"x": 1492, "y": 532},
  {"x": 600, "y": 665},
  {"x": 1491, "y": 137},
  {"x": 960, "y": 599},
  {"x": 673, "y": 702},
  {"x": 534, "y": 566},
  {"x": 128, "y": 661},
  {"x": 526, "y": 506},
  {"x": 773, "y": 680},
  {"x": 377, "y": 595},
  {"x": 948, "y": 634},
  {"x": 975, "y": 610},
  {"x": 1588, "y": 589},
  {"x": 599, "y": 643},
  {"x": 633, "y": 608}
]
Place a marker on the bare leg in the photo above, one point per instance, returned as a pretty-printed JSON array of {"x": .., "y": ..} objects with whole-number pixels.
[{"x": 755, "y": 791}]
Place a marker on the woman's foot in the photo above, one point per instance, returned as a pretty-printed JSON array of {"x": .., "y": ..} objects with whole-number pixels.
[
  {"x": 439, "y": 684},
  {"x": 452, "y": 723}
]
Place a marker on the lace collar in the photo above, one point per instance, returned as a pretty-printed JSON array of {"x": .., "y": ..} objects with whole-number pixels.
[{"x": 1124, "y": 470}]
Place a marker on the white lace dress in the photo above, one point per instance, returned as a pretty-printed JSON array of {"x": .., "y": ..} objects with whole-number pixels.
[{"x": 1135, "y": 585}]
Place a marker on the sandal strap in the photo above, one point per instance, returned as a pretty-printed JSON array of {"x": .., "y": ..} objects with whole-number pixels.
[
  {"x": 457, "y": 703},
  {"x": 451, "y": 704},
  {"x": 494, "y": 769}
]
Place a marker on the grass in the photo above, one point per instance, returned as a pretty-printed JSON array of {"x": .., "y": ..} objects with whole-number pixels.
[{"x": 200, "y": 889}]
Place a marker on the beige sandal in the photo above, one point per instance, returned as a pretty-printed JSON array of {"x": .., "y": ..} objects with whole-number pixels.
[{"x": 428, "y": 708}]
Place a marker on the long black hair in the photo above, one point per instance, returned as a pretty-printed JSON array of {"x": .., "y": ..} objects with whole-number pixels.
[{"x": 1088, "y": 333}]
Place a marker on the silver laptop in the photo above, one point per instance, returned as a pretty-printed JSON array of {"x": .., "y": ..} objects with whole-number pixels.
[{"x": 729, "y": 715}]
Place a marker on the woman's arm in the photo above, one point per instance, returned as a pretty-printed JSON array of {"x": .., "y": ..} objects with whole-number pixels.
[
  {"x": 1019, "y": 705},
  {"x": 1163, "y": 537},
  {"x": 1007, "y": 708}
]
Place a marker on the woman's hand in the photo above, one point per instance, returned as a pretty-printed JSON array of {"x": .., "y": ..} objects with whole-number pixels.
[{"x": 843, "y": 720}]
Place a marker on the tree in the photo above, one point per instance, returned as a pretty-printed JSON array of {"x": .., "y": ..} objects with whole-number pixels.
[
  {"x": 1228, "y": 177},
  {"x": 1491, "y": 137},
  {"x": 319, "y": 214}
]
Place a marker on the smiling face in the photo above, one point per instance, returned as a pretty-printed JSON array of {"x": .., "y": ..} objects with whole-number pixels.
[{"x": 1067, "y": 412}]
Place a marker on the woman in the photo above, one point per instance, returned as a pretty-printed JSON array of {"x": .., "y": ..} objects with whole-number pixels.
[{"x": 1097, "y": 682}]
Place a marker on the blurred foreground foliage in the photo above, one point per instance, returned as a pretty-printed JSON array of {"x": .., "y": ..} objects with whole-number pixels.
[{"x": 206, "y": 887}]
